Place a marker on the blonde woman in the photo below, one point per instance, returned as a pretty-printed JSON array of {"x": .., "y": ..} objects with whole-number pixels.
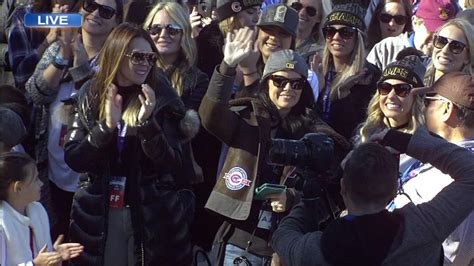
[
  {"x": 393, "y": 106},
  {"x": 348, "y": 81},
  {"x": 168, "y": 26},
  {"x": 452, "y": 46}
]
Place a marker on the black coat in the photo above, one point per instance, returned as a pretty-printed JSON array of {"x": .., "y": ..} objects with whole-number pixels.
[
  {"x": 347, "y": 113},
  {"x": 151, "y": 155}
]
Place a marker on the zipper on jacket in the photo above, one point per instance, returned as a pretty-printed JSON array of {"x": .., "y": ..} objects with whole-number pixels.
[{"x": 143, "y": 254}]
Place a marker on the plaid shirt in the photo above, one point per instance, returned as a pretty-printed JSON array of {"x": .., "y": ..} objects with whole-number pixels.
[{"x": 22, "y": 46}]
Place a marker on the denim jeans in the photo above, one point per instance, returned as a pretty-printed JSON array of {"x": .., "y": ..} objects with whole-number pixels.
[{"x": 232, "y": 252}]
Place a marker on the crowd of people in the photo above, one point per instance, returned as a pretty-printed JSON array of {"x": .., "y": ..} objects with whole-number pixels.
[{"x": 238, "y": 132}]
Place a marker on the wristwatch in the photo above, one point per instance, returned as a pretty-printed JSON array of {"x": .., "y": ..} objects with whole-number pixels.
[{"x": 59, "y": 62}]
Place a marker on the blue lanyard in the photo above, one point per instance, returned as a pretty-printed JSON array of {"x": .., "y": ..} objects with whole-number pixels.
[
  {"x": 327, "y": 93},
  {"x": 122, "y": 131}
]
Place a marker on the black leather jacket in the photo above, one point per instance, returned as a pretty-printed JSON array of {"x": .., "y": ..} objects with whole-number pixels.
[{"x": 150, "y": 156}]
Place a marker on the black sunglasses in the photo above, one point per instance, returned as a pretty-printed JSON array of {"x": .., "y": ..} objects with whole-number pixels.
[
  {"x": 309, "y": 9},
  {"x": 106, "y": 12},
  {"x": 402, "y": 90},
  {"x": 139, "y": 58},
  {"x": 280, "y": 82},
  {"x": 456, "y": 47},
  {"x": 399, "y": 19},
  {"x": 172, "y": 29},
  {"x": 345, "y": 32}
]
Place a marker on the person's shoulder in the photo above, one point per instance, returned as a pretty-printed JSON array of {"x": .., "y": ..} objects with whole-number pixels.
[{"x": 399, "y": 40}]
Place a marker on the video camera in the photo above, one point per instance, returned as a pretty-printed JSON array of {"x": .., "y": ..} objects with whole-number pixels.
[{"x": 313, "y": 157}]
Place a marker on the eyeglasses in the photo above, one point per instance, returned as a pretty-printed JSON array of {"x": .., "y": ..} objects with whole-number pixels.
[
  {"x": 456, "y": 47},
  {"x": 428, "y": 99},
  {"x": 171, "y": 29},
  {"x": 399, "y": 19},
  {"x": 139, "y": 58},
  {"x": 309, "y": 9},
  {"x": 280, "y": 82},
  {"x": 345, "y": 33},
  {"x": 105, "y": 12},
  {"x": 402, "y": 90}
]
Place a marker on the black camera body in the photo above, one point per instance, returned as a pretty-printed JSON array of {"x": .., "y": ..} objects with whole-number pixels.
[
  {"x": 314, "y": 150},
  {"x": 313, "y": 157}
]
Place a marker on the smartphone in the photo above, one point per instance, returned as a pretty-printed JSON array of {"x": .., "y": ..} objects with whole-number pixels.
[
  {"x": 204, "y": 9},
  {"x": 266, "y": 189}
]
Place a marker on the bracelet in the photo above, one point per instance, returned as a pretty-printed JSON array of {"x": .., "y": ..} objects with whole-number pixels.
[{"x": 251, "y": 73}]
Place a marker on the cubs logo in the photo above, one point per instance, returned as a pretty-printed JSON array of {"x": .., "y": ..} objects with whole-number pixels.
[
  {"x": 236, "y": 7},
  {"x": 236, "y": 179}
]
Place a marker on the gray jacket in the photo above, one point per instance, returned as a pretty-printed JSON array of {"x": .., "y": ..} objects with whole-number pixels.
[{"x": 425, "y": 225}]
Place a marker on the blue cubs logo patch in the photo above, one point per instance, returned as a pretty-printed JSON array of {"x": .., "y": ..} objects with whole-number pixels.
[{"x": 236, "y": 179}]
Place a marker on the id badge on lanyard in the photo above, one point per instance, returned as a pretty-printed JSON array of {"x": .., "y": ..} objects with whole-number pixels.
[{"x": 117, "y": 183}]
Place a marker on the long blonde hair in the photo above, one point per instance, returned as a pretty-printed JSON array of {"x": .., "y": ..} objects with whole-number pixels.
[
  {"x": 355, "y": 65},
  {"x": 468, "y": 31},
  {"x": 188, "y": 45},
  {"x": 111, "y": 56},
  {"x": 375, "y": 121}
]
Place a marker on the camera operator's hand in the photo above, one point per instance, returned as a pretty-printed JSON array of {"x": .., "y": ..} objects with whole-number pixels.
[
  {"x": 238, "y": 46},
  {"x": 278, "y": 202}
]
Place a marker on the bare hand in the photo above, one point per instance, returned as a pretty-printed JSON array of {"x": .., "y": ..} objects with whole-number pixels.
[
  {"x": 316, "y": 64},
  {"x": 148, "y": 102},
  {"x": 278, "y": 202},
  {"x": 45, "y": 258},
  {"x": 67, "y": 250},
  {"x": 196, "y": 22},
  {"x": 113, "y": 107},
  {"x": 78, "y": 50},
  {"x": 238, "y": 46}
]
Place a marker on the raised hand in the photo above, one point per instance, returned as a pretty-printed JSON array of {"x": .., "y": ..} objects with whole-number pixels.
[
  {"x": 196, "y": 22},
  {"x": 45, "y": 258},
  {"x": 249, "y": 64},
  {"x": 148, "y": 101},
  {"x": 113, "y": 107},
  {"x": 316, "y": 64},
  {"x": 78, "y": 51},
  {"x": 238, "y": 46},
  {"x": 67, "y": 251}
]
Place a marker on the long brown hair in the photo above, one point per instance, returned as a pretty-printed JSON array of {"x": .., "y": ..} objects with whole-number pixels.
[{"x": 111, "y": 56}]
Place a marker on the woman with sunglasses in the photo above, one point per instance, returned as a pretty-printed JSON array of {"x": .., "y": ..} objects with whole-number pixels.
[
  {"x": 348, "y": 80},
  {"x": 390, "y": 19},
  {"x": 169, "y": 27},
  {"x": 452, "y": 46},
  {"x": 126, "y": 135},
  {"x": 65, "y": 65},
  {"x": 393, "y": 106},
  {"x": 282, "y": 109},
  {"x": 309, "y": 37}
]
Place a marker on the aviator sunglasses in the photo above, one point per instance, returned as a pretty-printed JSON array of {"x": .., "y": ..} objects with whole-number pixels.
[
  {"x": 401, "y": 90},
  {"x": 456, "y": 47},
  {"x": 345, "y": 33},
  {"x": 105, "y": 12},
  {"x": 280, "y": 82},
  {"x": 171, "y": 29},
  {"x": 309, "y": 9},
  {"x": 139, "y": 58},
  {"x": 399, "y": 19}
]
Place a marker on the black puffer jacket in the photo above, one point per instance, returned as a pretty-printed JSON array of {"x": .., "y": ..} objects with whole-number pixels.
[{"x": 151, "y": 155}]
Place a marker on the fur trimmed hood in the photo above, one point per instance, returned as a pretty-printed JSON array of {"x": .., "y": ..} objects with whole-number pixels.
[{"x": 190, "y": 124}]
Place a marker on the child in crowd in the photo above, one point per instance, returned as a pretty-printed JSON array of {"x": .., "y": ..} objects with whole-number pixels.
[{"x": 24, "y": 224}]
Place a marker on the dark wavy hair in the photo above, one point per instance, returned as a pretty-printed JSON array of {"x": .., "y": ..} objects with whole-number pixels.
[{"x": 301, "y": 117}]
